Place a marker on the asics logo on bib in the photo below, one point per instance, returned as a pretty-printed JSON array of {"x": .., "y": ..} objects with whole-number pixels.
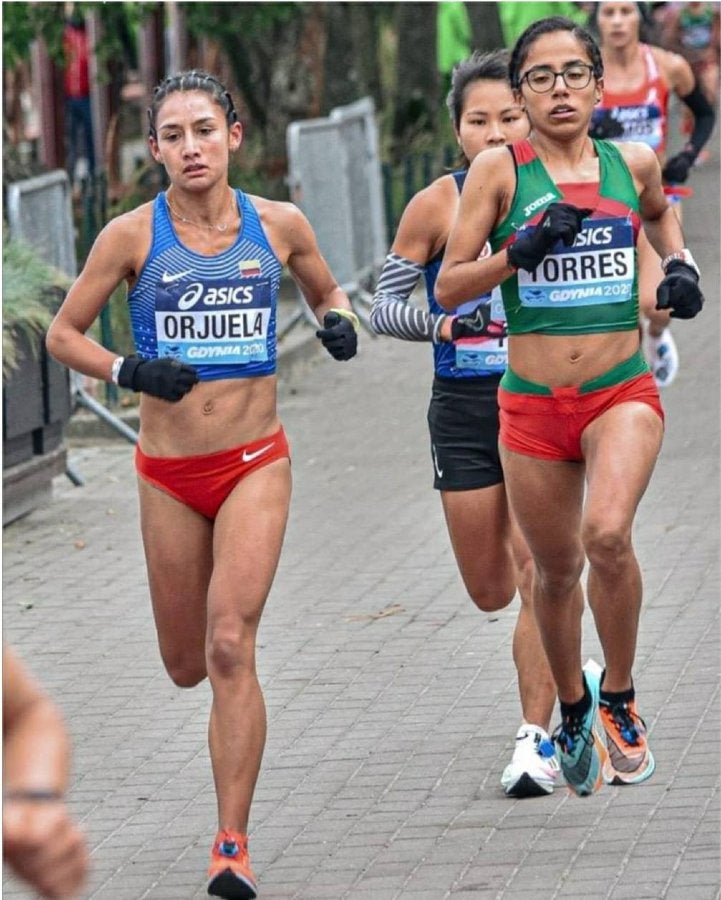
[
  {"x": 228, "y": 295},
  {"x": 596, "y": 236},
  {"x": 538, "y": 202}
]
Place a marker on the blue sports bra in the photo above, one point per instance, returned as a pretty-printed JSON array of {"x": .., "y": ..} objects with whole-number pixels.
[{"x": 215, "y": 313}]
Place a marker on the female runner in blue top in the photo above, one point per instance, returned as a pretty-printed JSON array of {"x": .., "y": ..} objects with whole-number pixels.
[{"x": 202, "y": 263}]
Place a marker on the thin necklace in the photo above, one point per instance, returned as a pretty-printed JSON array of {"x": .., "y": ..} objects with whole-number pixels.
[{"x": 222, "y": 227}]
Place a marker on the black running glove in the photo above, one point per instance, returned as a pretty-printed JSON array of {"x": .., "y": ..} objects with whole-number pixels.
[
  {"x": 679, "y": 291},
  {"x": 477, "y": 324},
  {"x": 338, "y": 334},
  {"x": 560, "y": 222},
  {"x": 165, "y": 378},
  {"x": 605, "y": 127},
  {"x": 677, "y": 168}
]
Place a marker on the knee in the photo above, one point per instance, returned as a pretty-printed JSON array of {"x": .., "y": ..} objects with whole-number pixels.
[
  {"x": 490, "y": 596},
  {"x": 184, "y": 672},
  {"x": 607, "y": 546},
  {"x": 230, "y": 652},
  {"x": 489, "y": 602},
  {"x": 560, "y": 577}
]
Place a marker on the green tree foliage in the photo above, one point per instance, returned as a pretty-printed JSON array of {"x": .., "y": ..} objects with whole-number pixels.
[{"x": 24, "y": 22}]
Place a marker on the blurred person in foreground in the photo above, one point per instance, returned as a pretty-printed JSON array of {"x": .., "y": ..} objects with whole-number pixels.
[{"x": 41, "y": 842}]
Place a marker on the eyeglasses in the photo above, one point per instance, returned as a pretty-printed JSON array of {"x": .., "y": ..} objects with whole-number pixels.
[{"x": 542, "y": 79}]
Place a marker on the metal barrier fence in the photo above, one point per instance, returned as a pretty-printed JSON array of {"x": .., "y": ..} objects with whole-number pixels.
[
  {"x": 39, "y": 212},
  {"x": 334, "y": 176},
  {"x": 353, "y": 201}
]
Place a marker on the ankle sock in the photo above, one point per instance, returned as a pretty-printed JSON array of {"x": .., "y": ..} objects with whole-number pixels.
[
  {"x": 614, "y": 698},
  {"x": 578, "y": 709}
]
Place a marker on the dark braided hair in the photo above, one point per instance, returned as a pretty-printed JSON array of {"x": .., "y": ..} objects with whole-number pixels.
[
  {"x": 491, "y": 66},
  {"x": 546, "y": 26},
  {"x": 193, "y": 80}
]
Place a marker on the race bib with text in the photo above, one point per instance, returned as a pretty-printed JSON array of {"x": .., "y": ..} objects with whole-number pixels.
[
  {"x": 598, "y": 268},
  {"x": 222, "y": 322}
]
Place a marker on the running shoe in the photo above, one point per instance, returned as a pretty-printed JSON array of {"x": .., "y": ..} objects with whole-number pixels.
[
  {"x": 230, "y": 875},
  {"x": 662, "y": 356},
  {"x": 581, "y": 750},
  {"x": 629, "y": 759},
  {"x": 533, "y": 770}
]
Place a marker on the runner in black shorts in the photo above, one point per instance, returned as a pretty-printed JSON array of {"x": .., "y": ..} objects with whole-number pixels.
[
  {"x": 470, "y": 357},
  {"x": 463, "y": 424}
]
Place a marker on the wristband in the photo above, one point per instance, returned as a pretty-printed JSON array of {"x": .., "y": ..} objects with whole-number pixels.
[
  {"x": 30, "y": 795},
  {"x": 347, "y": 314},
  {"x": 683, "y": 256},
  {"x": 115, "y": 369}
]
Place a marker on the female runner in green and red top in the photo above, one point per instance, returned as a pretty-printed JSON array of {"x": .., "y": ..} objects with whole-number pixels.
[{"x": 581, "y": 419}]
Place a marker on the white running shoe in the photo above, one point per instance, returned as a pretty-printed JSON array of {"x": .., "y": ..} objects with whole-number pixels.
[
  {"x": 662, "y": 356},
  {"x": 533, "y": 771}
]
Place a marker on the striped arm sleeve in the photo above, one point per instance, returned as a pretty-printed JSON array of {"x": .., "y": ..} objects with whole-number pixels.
[{"x": 391, "y": 313}]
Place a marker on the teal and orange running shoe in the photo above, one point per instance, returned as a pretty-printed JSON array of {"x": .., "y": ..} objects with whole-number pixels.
[
  {"x": 582, "y": 751},
  {"x": 230, "y": 875},
  {"x": 629, "y": 759}
]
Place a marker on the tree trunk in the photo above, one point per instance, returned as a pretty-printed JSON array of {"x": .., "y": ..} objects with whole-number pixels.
[
  {"x": 296, "y": 80},
  {"x": 417, "y": 89},
  {"x": 351, "y": 69},
  {"x": 487, "y": 34}
]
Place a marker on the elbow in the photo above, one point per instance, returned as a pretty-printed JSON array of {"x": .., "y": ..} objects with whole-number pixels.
[
  {"x": 55, "y": 344},
  {"x": 51, "y": 339},
  {"x": 52, "y": 342},
  {"x": 443, "y": 294}
]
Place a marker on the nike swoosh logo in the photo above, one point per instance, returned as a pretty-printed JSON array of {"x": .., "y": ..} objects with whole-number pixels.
[
  {"x": 249, "y": 457},
  {"x": 439, "y": 471},
  {"x": 168, "y": 278}
]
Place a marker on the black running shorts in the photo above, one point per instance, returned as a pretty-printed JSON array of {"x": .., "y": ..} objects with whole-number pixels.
[{"x": 463, "y": 424}]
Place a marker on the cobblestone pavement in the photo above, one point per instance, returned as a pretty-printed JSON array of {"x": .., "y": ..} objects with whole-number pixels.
[{"x": 392, "y": 702}]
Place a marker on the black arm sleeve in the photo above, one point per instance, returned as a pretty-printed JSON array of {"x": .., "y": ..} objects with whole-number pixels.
[{"x": 704, "y": 118}]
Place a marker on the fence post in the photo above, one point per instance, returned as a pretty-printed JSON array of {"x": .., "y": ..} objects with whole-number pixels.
[{"x": 94, "y": 214}]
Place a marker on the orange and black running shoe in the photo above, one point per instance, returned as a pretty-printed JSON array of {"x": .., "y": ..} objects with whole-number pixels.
[
  {"x": 629, "y": 759},
  {"x": 230, "y": 875}
]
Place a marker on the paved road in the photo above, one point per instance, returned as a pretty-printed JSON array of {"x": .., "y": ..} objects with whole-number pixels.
[{"x": 392, "y": 702}]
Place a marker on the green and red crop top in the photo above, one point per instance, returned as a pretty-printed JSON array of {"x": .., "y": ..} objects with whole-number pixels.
[{"x": 591, "y": 287}]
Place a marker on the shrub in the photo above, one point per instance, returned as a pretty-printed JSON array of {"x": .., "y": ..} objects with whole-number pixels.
[{"x": 32, "y": 292}]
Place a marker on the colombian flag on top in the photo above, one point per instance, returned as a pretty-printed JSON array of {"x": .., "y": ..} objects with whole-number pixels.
[{"x": 249, "y": 267}]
